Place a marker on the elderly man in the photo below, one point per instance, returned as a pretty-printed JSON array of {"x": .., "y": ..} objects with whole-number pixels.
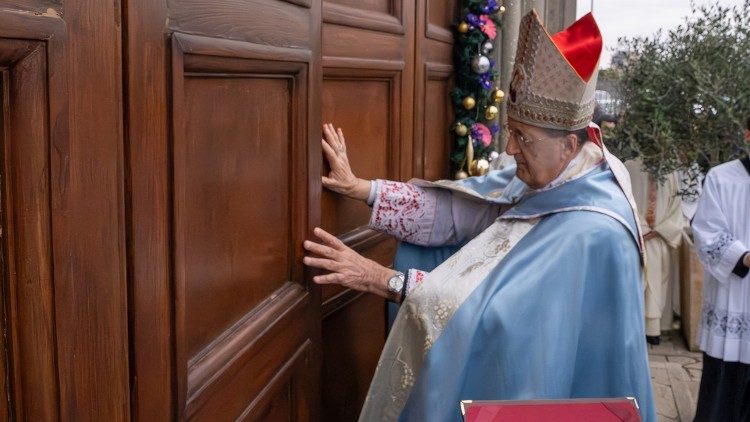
[
  {"x": 544, "y": 298},
  {"x": 721, "y": 228}
]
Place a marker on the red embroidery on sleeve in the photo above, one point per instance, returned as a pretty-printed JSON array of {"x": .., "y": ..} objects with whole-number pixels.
[
  {"x": 418, "y": 276},
  {"x": 398, "y": 210}
]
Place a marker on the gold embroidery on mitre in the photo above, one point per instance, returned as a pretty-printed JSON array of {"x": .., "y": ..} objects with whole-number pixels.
[{"x": 545, "y": 90}]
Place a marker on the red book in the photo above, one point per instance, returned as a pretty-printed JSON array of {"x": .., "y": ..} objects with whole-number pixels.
[{"x": 573, "y": 410}]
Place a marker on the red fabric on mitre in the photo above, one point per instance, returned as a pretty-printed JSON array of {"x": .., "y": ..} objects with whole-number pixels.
[{"x": 581, "y": 45}]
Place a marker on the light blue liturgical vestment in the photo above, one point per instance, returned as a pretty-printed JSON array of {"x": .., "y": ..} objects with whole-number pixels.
[{"x": 561, "y": 316}]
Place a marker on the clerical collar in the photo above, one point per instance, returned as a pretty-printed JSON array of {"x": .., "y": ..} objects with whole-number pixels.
[{"x": 746, "y": 162}]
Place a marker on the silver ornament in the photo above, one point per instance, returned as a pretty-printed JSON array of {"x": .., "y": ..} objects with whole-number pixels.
[
  {"x": 487, "y": 47},
  {"x": 494, "y": 155},
  {"x": 480, "y": 64}
]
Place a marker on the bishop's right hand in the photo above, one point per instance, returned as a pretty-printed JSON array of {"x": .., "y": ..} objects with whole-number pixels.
[{"x": 341, "y": 179}]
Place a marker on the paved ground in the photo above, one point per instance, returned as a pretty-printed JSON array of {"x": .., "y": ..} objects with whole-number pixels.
[{"x": 676, "y": 374}]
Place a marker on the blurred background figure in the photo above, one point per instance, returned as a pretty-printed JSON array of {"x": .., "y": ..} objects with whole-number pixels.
[{"x": 662, "y": 222}]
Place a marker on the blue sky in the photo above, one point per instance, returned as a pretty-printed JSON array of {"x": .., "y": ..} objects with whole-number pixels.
[{"x": 629, "y": 18}]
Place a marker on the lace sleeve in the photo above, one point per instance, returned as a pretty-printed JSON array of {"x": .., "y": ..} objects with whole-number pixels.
[
  {"x": 404, "y": 211},
  {"x": 428, "y": 216},
  {"x": 717, "y": 247}
]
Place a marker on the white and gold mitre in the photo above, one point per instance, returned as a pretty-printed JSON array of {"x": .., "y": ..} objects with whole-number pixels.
[{"x": 554, "y": 77}]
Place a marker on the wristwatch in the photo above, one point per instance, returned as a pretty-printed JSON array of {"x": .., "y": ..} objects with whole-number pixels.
[{"x": 397, "y": 283}]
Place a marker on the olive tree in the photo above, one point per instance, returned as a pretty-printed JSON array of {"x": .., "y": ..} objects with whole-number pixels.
[{"x": 685, "y": 93}]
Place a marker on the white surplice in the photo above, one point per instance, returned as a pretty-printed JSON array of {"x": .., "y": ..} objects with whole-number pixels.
[
  {"x": 721, "y": 228},
  {"x": 668, "y": 223}
]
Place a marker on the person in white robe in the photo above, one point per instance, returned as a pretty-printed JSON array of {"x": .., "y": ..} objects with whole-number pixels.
[
  {"x": 660, "y": 216},
  {"x": 721, "y": 228}
]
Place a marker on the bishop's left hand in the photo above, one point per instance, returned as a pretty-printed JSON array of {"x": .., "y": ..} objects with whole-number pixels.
[{"x": 346, "y": 267}]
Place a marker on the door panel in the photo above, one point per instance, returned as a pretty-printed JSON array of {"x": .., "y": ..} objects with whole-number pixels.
[
  {"x": 233, "y": 166},
  {"x": 235, "y": 252},
  {"x": 346, "y": 100},
  {"x": 353, "y": 336},
  {"x": 435, "y": 157},
  {"x": 235, "y": 226},
  {"x": 434, "y": 80}
]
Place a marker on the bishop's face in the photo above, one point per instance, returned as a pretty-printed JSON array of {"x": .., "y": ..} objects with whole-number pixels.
[{"x": 540, "y": 158}]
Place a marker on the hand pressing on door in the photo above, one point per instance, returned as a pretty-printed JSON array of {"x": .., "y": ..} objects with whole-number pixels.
[
  {"x": 346, "y": 267},
  {"x": 341, "y": 179}
]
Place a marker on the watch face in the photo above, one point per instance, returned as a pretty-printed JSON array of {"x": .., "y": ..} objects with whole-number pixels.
[{"x": 395, "y": 284}]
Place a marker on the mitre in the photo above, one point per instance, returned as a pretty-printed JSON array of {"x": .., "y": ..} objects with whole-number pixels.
[{"x": 554, "y": 77}]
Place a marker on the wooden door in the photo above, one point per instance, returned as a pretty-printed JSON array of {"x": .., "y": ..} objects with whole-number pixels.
[
  {"x": 160, "y": 168},
  {"x": 223, "y": 141},
  {"x": 64, "y": 299},
  {"x": 386, "y": 81}
]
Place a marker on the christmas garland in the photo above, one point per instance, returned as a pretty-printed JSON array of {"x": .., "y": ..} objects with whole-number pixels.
[{"x": 475, "y": 96}]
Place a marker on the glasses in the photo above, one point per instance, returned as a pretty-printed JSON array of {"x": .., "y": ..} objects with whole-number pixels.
[{"x": 525, "y": 139}]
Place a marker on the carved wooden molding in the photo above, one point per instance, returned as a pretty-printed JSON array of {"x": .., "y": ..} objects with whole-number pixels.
[
  {"x": 438, "y": 33},
  {"x": 27, "y": 285},
  {"x": 286, "y": 23},
  {"x": 31, "y": 25},
  {"x": 205, "y": 46},
  {"x": 303, "y": 3},
  {"x": 245, "y": 338},
  {"x": 363, "y": 238},
  {"x": 438, "y": 71},
  {"x": 365, "y": 19},
  {"x": 282, "y": 378},
  {"x": 357, "y": 63},
  {"x": 340, "y": 301}
]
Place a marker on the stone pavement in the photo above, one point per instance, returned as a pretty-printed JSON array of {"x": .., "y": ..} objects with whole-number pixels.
[{"x": 676, "y": 374}]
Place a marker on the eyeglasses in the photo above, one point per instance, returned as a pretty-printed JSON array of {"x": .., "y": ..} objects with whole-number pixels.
[{"x": 525, "y": 139}]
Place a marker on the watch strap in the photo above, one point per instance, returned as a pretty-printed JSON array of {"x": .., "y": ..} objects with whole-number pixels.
[{"x": 403, "y": 288}]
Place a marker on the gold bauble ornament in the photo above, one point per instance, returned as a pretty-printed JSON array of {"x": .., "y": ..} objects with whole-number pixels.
[
  {"x": 479, "y": 167},
  {"x": 498, "y": 95},
  {"x": 469, "y": 103},
  {"x": 461, "y": 175},
  {"x": 463, "y": 27},
  {"x": 491, "y": 113},
  {"x": 461, "y": 129},
  {"x": 502, "y": 9}
]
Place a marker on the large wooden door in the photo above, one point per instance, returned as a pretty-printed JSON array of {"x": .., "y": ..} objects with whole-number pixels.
[
  {"x": 222, "y": 104},
  {"x": 159, "y": 169}
]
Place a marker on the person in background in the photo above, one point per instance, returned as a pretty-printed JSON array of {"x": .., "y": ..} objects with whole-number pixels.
[
  {"x": 721, "y": 229},
  {"x": 604, "y": 120},
  {"x": 660, "y": 216}
]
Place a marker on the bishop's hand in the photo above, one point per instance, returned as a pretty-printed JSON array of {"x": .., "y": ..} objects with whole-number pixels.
[
  {"x": 341, "y": 179},
  {"x": 346, "y": 267}
]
